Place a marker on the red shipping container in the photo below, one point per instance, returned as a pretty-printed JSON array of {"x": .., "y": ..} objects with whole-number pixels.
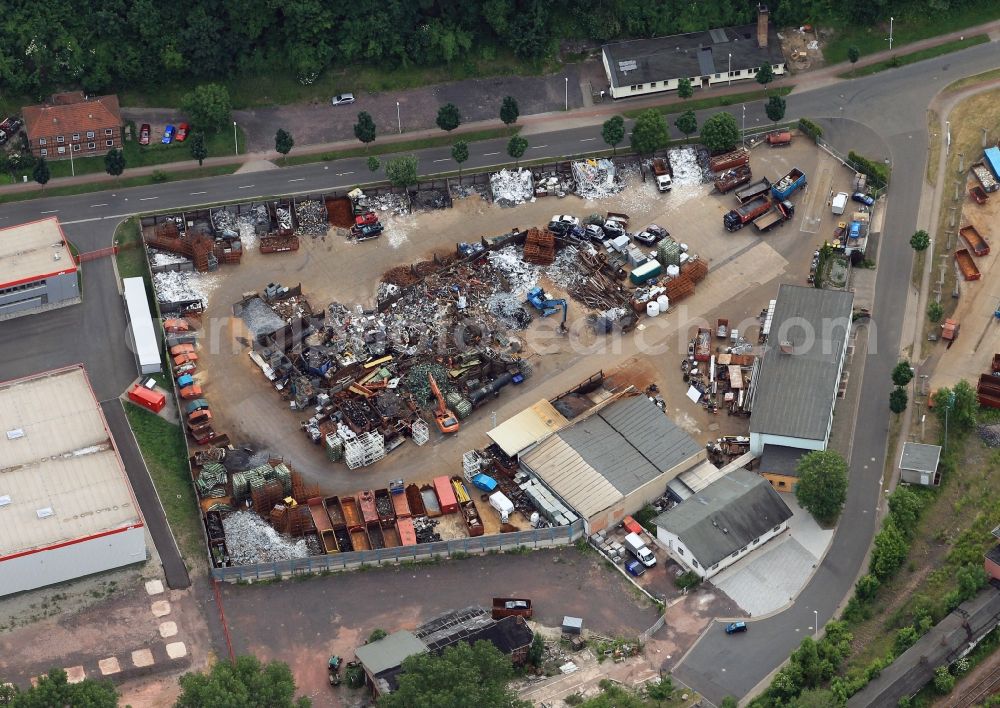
[
  {"x": 446, "y": 495},
  {"x": 151, "y": 400},
  {"x": 631, "y": 525},
  {"x": 407, "y": 534}
]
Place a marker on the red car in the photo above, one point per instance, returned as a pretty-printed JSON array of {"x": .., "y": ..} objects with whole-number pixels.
[
  {"x": 144, "y": 134},
  {"x": 182, "y": 132}
]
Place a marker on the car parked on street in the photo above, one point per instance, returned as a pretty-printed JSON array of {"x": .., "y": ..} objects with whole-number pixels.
[
  {"x": 168, "y": 135},
  {"x": 144, "y": 134},
  {"x": 182, "y": 132},
  {"x": 863, "y": 198},
  {"x": 342, "y": 99},
  {"x": 736, "y": 627}
]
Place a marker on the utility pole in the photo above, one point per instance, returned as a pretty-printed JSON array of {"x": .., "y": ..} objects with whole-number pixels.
[
  {"x": 236, "y": 143},
  {"x": 891, "y": 19},
  {"x": 730, "y": 68},
  {"x": 399, "y": 122},
  {"x": 567, "y": 93}
]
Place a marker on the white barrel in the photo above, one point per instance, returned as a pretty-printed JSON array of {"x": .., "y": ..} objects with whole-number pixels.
[
  {"x": 673, "y": 271},
  {"x": 663, "y": 302},
  {"x": 652, "y": 309}
]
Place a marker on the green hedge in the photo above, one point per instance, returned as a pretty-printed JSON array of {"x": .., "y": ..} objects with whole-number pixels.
[
  {"x": 877, "y": 172},
  {"x": 810, "y": 128}
]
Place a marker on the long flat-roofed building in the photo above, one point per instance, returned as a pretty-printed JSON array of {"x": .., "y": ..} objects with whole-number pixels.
[
  {"x": 66, "y": 505},
  {"x": 37, "y": 269}
]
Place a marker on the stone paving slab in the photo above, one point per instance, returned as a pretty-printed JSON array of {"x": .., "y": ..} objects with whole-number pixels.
[
  {"x": 109, "y": 666},
  {"x": 177, "y": 650},
  {"x": 154, "y": 587},
  {"x": 168, "y": 629},
  {"x": 160, "y": 608},
  {"x": 75, "y": 674},
  {"x": 769, "y": 579},
  {"x": 142, "y": 658}
]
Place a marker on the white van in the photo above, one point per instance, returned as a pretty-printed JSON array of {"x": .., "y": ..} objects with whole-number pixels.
[
  {"x": 637, "y": 547},
  {"x": 840, "y": 203}
]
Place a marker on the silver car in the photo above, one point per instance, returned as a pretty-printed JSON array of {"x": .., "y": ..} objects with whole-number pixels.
[{"x": 342, "y": 99}]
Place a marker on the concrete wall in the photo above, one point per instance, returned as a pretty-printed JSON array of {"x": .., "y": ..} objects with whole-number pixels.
[
  {"x": 759, "y": 440},
  {"x": 72, "y": 561},
  {"x": 670, "y": 84},
  {"x": 925, "y": 479},
  {"x": 682, "y": 554}
]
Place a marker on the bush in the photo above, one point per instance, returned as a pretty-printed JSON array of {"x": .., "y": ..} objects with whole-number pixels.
[
  {"x": 889, "y": 552},
  {"x": 376, "y": 635},
  {"x": 866, "y": 587},
  {"x": 159, "y": 176},
  {"x": 905, "y": 638},
  {"x": 810, "y": 129},
  {"x": 688, "y": 580},
  {"x": 934, "y": 311},
  {"x": 943, "y": 680},
  {"x": 877, "y": 172}
]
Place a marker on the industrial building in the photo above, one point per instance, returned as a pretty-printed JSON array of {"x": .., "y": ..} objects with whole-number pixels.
[
  {"x": 37, "y": 269},
  {"x": 640, "y": 67},
  {"x": 800, "y": 377},
  {"x": 66, "y": 506},
  {"x": 918, "y": 464},
  {"x": 731, "y": 517},
  {"x": 613, "y": 461}
]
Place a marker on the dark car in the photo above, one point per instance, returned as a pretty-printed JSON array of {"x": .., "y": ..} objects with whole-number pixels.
[
  {"x": 865, "y": 199},
  {"x": 736, "y": 627},
  {"x": 366, "y": 231},
  {"x": 635, "y": 568},
  {"x": 651, "y": 235},
  {"x": 613, "y": 228}
]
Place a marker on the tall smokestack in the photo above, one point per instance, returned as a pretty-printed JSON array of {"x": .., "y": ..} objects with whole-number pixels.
[{"x": 762, "y": 26}]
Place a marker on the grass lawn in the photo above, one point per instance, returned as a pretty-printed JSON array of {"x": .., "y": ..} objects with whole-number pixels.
[
  {"x": 131, "y": 260},
  {"x": 377, "y": 148},
  {"x": 870, "y": 39},
  {"x": 122, "y": 183},
  {"x": 990, "y": 75},
  {"x": 698, "y": 104},
  {"x": 933, "y": 145},
  {"x": 162, "y": 446},
  {"x": 912, "y": 57}
]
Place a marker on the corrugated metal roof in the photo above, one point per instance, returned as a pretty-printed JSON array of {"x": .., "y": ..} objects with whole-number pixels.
[
  {"x": 389, "y": 651},
  {"x": 527, "y": 427},
  {"x": 568, "y": 474},
  {"x": 56, "y": 454},
  {"x": 795, "y": 392},
  {"x": 919, "y": 457}
]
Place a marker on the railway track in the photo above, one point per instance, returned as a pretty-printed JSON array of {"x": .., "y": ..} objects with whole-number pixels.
[{"x": 988, "y": 686}]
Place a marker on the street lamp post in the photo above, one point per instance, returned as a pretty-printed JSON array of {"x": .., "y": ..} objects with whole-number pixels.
[
  {"x": 730, "y": 75},
  {"x": 891, "y": 19},
  {"x": 743, "y": 133},
  {"x": 236, "y": 143},
  {"x": 72, "y": 169},
  {"x": 399, "y": 121},
  {"x": 815, "y": 623},
  {"x": 567, "y": 93}
]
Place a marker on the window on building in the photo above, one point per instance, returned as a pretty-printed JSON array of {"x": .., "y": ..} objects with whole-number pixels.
[
  {"x": 735, "y": 553},
  {"x": 90, "y": 135},
  {"x": 715, "y": 567},
  {"x": 109, "y": 143},
  {"x": 42, "y": 141},
  {"x": 756, "y": 541},
  {"x": 76, "y": 136},
  {"x": 109, "y": 131},
  {"x": 652, "y": 84},
  {"x": 76, "y": 148},
  {"x": 694, "y": 562},
  {"x": 718, "y": 76},
  {"x": 744, "y": 549},
  {"x": 44, "y": 152},
  {"x": 59, "y": 139},
  {"x": 62, "y": 150},
  {"x": 780, "y": 483},
  {"x": 775, "y": 529},
  {"x": 680, "y": 550},
  {"x": 91, "y": 146}
]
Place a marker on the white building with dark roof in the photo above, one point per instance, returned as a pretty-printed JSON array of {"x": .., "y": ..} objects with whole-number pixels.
[
  {"x": 731, "y": 517},
  {"x": 66, "y": 506},
  {"x": 641, "y": 67}
]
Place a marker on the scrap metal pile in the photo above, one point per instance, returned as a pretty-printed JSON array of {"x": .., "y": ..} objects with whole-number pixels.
[
  {"x": 195, "y": 237},
  {"x": 596, "y": 178},
  {"x": 720, "y": 369},
  {"x": 512, "y": 187}
]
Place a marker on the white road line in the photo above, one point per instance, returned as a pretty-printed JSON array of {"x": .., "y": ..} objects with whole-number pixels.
[
  {"x": 487, "y": 154},
  {"x": 245, "y": 186},
  {"x": 52, "y": 211},
  {"x": 146, "y": 199},
  {"x": 92, "y": 206},
  {"x": 297, "y": 179},
  {"x": 584, "y": 140},
  {"x": 341, "y": 174},
  {"x": 443, "y": 159},
  {"x": 539, "y": 147},
  {"x": 194, "y": 193}
]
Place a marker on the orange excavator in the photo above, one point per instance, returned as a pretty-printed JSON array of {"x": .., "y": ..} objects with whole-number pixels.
[{"x": 445, "y": 419}]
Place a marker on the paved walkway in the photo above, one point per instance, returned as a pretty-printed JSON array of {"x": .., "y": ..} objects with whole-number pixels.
[{"x": 542, "y": 122}]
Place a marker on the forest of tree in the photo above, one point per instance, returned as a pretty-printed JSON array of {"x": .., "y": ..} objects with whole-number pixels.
[{"x": 116, "y": 44}]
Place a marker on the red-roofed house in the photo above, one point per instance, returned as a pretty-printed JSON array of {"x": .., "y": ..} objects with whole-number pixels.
[{"x": 70, "y": 121}]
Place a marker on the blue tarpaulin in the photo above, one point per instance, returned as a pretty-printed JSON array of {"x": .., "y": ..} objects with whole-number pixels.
[
  {"x": 484, "y": 482},
  {"x": 185, "y": 380}
]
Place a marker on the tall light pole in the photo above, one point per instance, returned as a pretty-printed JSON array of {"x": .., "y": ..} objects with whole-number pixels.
[
  {"x": 891, "y": 19},
  {"x": 567, "y": 93},
  {"x": 236, "y": 143},
  {"x": 399, "y": 121},
  {"x": 71, "y": 168},
  {"x": 815, "y": 623},
  {"x": 743, "y": 133},
  {"x": 730, "y": 75}
]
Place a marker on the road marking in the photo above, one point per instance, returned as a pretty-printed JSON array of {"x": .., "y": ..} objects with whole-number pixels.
[
  {"x": 146, "y": 199},
  {"x": 297, "y": 179},
  {"x": 245, "y": 186},
  {"x": 51, "y": 211},
  {"x": 92, "y": 206},
  {"x": 487, "y": 154},
  {"x": 341, "y": 174},
  {"x": 443, "y": 159},
  {"x": 584, "y": 140},
  {"x": 538, "y": 147},
  {"x": 194, "y": 193}
]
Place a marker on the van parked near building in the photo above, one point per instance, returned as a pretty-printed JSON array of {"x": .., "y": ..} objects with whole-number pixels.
[{"x": 637, "y": 547}]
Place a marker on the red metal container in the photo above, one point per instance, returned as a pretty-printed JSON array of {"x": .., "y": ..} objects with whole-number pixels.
[
  {"x": 151, "y": 400},
  {"x": 407, "y": 534},
  {"x": 445, "y": 495}
]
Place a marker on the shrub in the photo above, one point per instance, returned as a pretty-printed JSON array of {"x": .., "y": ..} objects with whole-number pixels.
[
  {"x": 877, "y": 172},
  {"x": 943, "y": 680},
  {"x": 688, "y": 580},
  {"x": 159, "y": 176},
  {"x": 810, "y": 129}
]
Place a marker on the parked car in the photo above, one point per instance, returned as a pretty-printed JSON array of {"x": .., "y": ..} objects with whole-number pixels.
[
  {"x": 561, "y": 223},
  {"x": 614, "y": 228},
  {"x": 595, "y": 233},
  {"x": 865, "y": 199},
  {"x": 651, "y": 235},
  {"x": 366, "y": 231},
  {"x": 635, "y": 568},
  {"x": 736, "y": 627},
  {"x": 182, "y": 132},
  {"x": 342, "y": 99},
  {"x": 168, "y": 135},
  {"x": 144, "y": 134}
]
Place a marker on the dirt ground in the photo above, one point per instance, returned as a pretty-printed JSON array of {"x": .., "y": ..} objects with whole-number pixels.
[{"x": 803, "y": 50}]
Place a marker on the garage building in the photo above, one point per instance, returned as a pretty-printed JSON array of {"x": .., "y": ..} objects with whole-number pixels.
[
  {"x": 37, "y": 269},
  {"x": 799, "y": 380},
  {"x": 614, "y": 461},
  {"x": 66, "y": 505}
]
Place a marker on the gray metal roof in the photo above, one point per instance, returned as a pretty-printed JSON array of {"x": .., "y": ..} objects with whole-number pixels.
[
  {"x": 389, "y": 652},
  {"x": 796, "y": 391},
  {"x": 919, "y": 457},
  {"x": 690, "y": 55},
  {"x": 726, "y": 516},
  {"x": 780, "y": 459}
]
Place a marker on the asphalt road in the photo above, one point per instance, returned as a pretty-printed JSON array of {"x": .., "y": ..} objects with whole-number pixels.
[{"x": 883, "y": 115}]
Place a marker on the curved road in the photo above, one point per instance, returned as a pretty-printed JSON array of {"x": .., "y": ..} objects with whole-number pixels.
[{"x": 891, "y": 106}]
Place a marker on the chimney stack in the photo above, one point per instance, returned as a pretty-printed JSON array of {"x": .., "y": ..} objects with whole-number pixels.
[{"x": 762, "y": 26}]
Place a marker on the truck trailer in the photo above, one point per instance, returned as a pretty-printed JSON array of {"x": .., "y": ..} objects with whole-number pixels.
[
  {"x": 729, "y": 160},
  {"x": 743, "y": 215},
  {"x": 731, "y": 179},
  {"x": 778, "y": 214},
  {"x": 787, "y": 185},
  {"x": 663, "y": 172}
]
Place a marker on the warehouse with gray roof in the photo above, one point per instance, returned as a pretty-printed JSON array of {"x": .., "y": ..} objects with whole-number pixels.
[
  {"x": 614, "y": 461},
  {"x": 730, "y": 518},
  {"x": 793, "y": 393}
]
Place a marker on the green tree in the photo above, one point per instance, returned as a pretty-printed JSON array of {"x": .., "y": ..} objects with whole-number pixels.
[
  {"x": 198, "y": 149},
  {"x": 853, "y": 54},
  {"x": 943, "y": 680},
  {"x": 765, "y": 75},
  {"x": 613, "y": 132},
  {"x": 41, "y": 172},
  {"x": 905, "y": 638},
  {"x": 920, "y": 240},
  {"x": 905, "y": 506},
  {"x": 898, "y": 400},
  {"x": 460, "y": 153},
  {"x": 462, "y": 676},
  {"x": 209, "y": 107},
  {"x": 509, "y": 111},
  {"x": 822, "y": 487},
  {"x": 817, "y": 698},
  {"x": 649, "y": 133},
  {"x": 373, "y": 163},
  {"x": 283, "y": 142},
  {"x": 448, "y": 117},
  {"x": 866, "y": 587},
  {"x": 775, "y": 108},
  {"x": 377, "y": 634},
  {"x": 662, "y": 690},
  {"x": 684, "y": 88},
  {"x": 53, "y": 689},
  {"x": 402, "y": 171},
  {"x": 889, "y": 551},
  {"x": 614, "y": 695},
  {"x": 687, "y": 123},
  {"x": 536, "y": 652},
  {"x": 720, "y": 133},
  {"x": 960, "y": 403},
  {"x": 902, "y": 374},
  {"x": 516, "y": 147},
  {"x": 934, "y": 311},
  {"x": 114, "y": 162},
  {"x": 247, "y": 683},
  {"x": 364, "y": 129}
]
